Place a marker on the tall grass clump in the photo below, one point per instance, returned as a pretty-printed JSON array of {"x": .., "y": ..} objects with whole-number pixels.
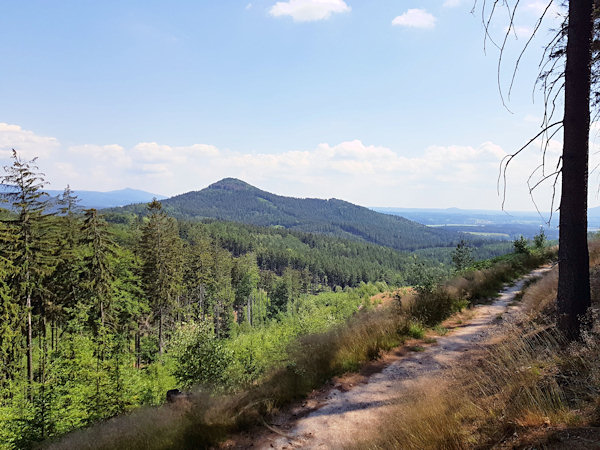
[{"x": 510, "y": 385}]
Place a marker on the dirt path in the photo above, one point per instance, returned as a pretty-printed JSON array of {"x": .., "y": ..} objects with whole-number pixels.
[{"x": 343, "y": 414}]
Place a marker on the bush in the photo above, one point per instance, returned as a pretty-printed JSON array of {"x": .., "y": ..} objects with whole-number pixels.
[
  {"x": 200, "y": 358},
  {"x": 521, "y": 245},
  {"x": 539, "y": 240}
]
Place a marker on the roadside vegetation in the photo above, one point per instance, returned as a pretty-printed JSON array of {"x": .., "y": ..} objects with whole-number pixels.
[
  {"x": 263, "y": 370},
  {"x": 526, "y": 387}
]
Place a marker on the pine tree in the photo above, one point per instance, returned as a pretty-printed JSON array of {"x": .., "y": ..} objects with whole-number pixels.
[
  {"x": 98, "y": 272},
  {"x": 462, "y": 255},
  {"x": 10, "y": 327},
  {"x": 31, "y": 237},
  {"x": 65, "y": 281},
  {"x": 161, "y": 252}
]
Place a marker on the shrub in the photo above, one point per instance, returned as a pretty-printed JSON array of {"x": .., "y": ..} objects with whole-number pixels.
[
  {"x": 200, "y": 358},
  {"x": 521, "y": 245},
  {"x": 539, "y": 240}
]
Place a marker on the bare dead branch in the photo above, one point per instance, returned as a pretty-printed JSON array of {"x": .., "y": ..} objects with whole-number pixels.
[
  {"x": 504, "y": 163},
  {"x": 526, "y": 46}
]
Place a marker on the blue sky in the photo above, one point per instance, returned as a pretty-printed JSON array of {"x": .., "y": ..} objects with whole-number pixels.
[{"x": 382, "y": 103}]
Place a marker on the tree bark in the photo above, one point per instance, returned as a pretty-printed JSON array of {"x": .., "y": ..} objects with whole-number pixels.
[
  {"x": 160, "y": 333},
  {"x": 29, "y": 344},
  {"x": 573, "y": 273},
  {"x": 137, "y": 347}
]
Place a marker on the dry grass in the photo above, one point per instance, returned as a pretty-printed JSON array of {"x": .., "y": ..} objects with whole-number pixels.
[
  {"x": 513, "y": 385},
  {"x": 524, "y": 382}
]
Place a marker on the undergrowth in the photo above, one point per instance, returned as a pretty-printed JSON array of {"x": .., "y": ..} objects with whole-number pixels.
[
  {"x": 204, "y": 419},
  {"x": 513, "y": 391}
]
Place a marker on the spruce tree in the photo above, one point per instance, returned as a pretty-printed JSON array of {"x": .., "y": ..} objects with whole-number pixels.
[
  {"x": 161, "y": 252},
  {"x": 98, "y": 272},
  {"x": 30, "y": 228},
  {"x": 10, "y": 327}
]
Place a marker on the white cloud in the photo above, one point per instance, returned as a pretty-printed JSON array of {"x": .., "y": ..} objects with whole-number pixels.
[
  {"x": 452, "y": 3},
  {"x": 248, "y": 6},
  {"x": 309, "y": 10},
  {"x": 28, "y": 144},
  {"x": 538, "y": 7},
  {"x": 376, "y": 175},
  {"x": 415, "y": 18}
]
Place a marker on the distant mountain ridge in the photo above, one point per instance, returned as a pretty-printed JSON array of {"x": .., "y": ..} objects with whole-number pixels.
[
  {"x": 109, "y": 199},
  {"x": 234, "y": 200}
]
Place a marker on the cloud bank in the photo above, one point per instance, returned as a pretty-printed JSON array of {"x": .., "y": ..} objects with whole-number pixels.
[
  {"x": 415, "y": 18},
  {"x": 309, "y": 10},
  {"x": 372, "y": 175}
]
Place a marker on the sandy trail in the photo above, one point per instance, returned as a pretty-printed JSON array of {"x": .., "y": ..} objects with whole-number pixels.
[{"x": 345, "y": 415}]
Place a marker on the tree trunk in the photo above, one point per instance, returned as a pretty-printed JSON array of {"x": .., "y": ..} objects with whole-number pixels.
[
  {"x": 573, "y": 273},
  {"x": 102, "y": 313},
  {"x": 160, "y": 333},
  {"x": 137, "y": 347},
  {"x": 29, "y": 344}
]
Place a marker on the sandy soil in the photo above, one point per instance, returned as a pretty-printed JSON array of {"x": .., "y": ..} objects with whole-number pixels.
[{"x": 337, "y": 415}]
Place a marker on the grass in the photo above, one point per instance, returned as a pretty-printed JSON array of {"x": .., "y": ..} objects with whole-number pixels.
[
  {"x": 416, "y": 331},
  {"x": 522, "y": 388},
  {"x": 440, "y": 330},
  {"x": 206, "y": 419},
  {"x": 416, "y": 348}
]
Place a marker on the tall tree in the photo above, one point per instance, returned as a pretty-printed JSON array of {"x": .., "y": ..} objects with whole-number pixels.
[
  {"x": 572, "y": 44},
  {"x": 10, "y": 327},
  {"x": 29, "y": 201},
  {"x": 573, "y": 269},
  {"x": 161, "y": 268},
  {"x": 98, "y": 272},
  {"x": 65, "y": 281}
]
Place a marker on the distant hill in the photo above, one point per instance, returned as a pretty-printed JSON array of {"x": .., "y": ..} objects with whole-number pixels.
[
  {"x": 234, "y": 200},
  {"x": 121, "y": 197},
  {"x": 490, "y": 223}
]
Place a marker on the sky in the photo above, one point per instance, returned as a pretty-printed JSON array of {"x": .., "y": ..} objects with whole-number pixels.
[{"x": 382, "y": 103}]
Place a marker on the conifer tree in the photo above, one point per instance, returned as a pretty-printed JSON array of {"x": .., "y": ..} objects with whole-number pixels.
[
  {"x": 462, "y": 256},
  {"x": 31, "y": 237},
  {"x": 161, "y": 252},
  {"x": 98, "y": 272},
  {"x": 10, "y": 328},
  {"x": 65, "y": 281}
]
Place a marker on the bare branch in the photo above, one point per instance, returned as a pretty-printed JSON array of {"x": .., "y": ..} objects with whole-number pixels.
[
  {"x": 535, "y": 30},
  {"x": 508, "y": 158}
]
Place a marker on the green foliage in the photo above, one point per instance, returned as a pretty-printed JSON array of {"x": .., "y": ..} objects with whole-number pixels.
[
  {"x": 521, "y": 245},
  {"x": 236, "y": 201},
  {"x": 423, "y": 277},
  {"x": 416, "y": 330},
  {"x": 539, "y": 240},
  {"x": 200, "y": 358},
  {"x": 462, "y": 256},
  {"x": 161, "y": 251},
  {"x": 431, "y": 306}
]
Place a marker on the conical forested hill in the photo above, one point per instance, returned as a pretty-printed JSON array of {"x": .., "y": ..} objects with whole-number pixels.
[{"x": 234, "y": 200}]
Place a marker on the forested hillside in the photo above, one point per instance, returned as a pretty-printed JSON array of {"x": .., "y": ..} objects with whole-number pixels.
[
  {"x": 97, "y": 318},
  {"x": 233, "y": 200}
]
